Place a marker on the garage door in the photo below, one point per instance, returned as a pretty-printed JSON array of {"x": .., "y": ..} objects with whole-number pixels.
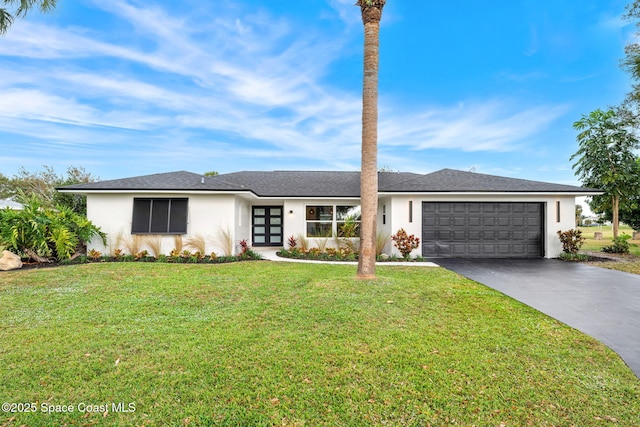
[{"x": 482, "y": 230}]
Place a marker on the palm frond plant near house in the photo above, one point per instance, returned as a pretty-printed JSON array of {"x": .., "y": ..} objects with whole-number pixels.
[{"x": 43, "y": 233}]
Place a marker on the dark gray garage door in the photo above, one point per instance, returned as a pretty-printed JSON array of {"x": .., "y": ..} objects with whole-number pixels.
[{"x": 482, "y": 230}]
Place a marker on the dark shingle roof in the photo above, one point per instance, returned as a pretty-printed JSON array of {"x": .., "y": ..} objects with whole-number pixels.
[
  {"x": 326, "y": 184},
  {"x": 455, "y": 181}
]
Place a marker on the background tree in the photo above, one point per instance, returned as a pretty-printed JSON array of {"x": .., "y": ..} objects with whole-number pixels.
[
  {"x": 579, "y": 216},
  {"x": 19, "y": 9},
  {"x": 371, "y": 14},
  {"x": 630, "y": 209},
  {"x": 6, "y": 189},
  {"x": 606, "y": 160},
  {"x": 43, "y": 183}
]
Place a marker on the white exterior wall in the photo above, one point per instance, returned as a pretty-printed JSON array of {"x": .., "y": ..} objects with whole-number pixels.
[
  {"x": 552, "y": 247},
  {"x": 242, "y": 223},
  {"x": 208, "y": 215}
]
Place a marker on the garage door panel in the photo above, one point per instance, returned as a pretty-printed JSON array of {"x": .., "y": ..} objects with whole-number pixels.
[
  {"x": 504, "y": 235},
  {"x": 459, "y": 221},
  {"x": 478, "y": 229}
]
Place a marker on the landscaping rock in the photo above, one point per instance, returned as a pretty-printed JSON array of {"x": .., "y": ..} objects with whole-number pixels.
[{"x": 9, "y": 261}]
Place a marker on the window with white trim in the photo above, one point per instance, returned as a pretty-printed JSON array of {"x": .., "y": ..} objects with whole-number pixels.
[{"x": 332, "y": 220}]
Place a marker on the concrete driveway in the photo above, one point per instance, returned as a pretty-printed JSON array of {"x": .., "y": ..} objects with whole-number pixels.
[{"x": 604, "y": 304}]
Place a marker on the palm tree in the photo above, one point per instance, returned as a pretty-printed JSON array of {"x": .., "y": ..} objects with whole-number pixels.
[
  {"x": 371, "y": 15},
  {"x": 21, "y": 9}
]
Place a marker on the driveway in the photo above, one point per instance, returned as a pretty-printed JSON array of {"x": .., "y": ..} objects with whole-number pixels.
[{"x": 602, "y": 303}]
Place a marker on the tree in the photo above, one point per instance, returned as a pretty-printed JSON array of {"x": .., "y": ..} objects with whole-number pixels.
[
  {"x": 20, "y": 8},
  {"x": 630, "y": 210},
  {"x": 371, "y": 14},
  {"x": 579, "y": 215},
  {"x": 605, "y": 159},
  {"x": 631, "y": 61},
  {"x": 43, "y": 185}
]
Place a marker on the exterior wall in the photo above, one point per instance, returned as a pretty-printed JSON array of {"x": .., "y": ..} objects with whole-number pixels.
[
  {"x": 552, "y": 247},
  {"x": 208, "y": 216},
  {"x": 385, "y": 221},
  {"x": 242, "y": 223}
]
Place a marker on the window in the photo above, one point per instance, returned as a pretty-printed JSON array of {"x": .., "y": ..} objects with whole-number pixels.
[
  {"x": 348, "y": 221},
  {"x": 332, "y": 220},
  {"x": 558, "y": 211},
  {"x": 410, "y": 210},
  {"x": 159, "y": 216}
]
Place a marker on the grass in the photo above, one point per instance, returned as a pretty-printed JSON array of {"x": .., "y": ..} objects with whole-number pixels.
[
  {"x": 591, "y": 244},
  {"x": 284, "y": 344},
  {"x": 630, "y": 264}
]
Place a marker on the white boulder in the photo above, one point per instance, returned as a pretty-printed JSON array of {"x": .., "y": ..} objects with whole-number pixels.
[{"x": 9, "y": 261}]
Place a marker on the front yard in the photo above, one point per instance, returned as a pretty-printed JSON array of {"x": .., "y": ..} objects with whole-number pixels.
[
  {"x": 629, "y": 263},
  {"x": 265, "y": 343}
]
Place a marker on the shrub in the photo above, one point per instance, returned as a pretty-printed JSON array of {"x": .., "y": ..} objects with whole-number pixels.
[
  {"x": 571, "y": 240},
  {"x": 244, "y": 246},
  {"x": 93, "y": 254},
  {"x": 44, "y": 233},
  {"x": 405, "y": 243},
  {"x": 292, "y": 242},
  {"x": 381, "y": 241},
  {"x": 620, "y": 245}
]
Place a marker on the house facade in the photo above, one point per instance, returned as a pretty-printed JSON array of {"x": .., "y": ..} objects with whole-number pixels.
[{"x": 455, "y": 213}]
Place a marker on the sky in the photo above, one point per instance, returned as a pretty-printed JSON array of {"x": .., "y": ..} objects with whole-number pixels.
[{"x": 133, "y": 87}]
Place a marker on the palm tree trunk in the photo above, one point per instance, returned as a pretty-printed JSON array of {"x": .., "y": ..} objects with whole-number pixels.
[{"x": 371, "y": 15}]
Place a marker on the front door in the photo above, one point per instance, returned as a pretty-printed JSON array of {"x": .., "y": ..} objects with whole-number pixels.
[{"x": 267, "y": 225}]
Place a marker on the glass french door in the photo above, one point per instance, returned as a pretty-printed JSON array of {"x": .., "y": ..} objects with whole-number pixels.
[{"x": 267, "y": 225}]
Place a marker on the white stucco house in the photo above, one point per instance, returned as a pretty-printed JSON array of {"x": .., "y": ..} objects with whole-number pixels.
[
  {"x": 10, "y": 204},
  {"x": 455, "y": 213}
]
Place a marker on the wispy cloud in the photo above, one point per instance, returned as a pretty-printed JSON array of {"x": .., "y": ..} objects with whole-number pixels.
[
  {"x": 235, "y": 83},
  {"x": 488, "y": 126}
]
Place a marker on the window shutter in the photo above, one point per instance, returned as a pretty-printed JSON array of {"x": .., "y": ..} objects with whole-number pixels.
[
  {"x": 178, "y": 218},
  {"x": 141, "y": 215},
  {"x": 160, "y": 216}
]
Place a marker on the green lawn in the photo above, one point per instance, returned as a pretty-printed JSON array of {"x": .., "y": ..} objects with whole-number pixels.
[
  {"x": 260, "y": 343},
  {"x": 591, "y": 244}
]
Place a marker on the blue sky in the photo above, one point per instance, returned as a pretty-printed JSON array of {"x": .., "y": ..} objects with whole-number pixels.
[{"x": 126, "y": 88}]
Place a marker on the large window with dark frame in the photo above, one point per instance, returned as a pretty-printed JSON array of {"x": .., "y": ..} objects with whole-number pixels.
[
  {"x": 332, "y": 220},
  {"x": 159, "y": 216}
]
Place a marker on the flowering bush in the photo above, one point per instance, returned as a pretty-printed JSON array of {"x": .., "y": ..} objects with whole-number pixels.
[
  {"x": 571, "y": 240},
  {"x": 405, "y": 243}
]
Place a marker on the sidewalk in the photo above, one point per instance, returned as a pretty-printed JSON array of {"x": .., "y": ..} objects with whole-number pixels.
[{"x": 270, "y": 255}]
